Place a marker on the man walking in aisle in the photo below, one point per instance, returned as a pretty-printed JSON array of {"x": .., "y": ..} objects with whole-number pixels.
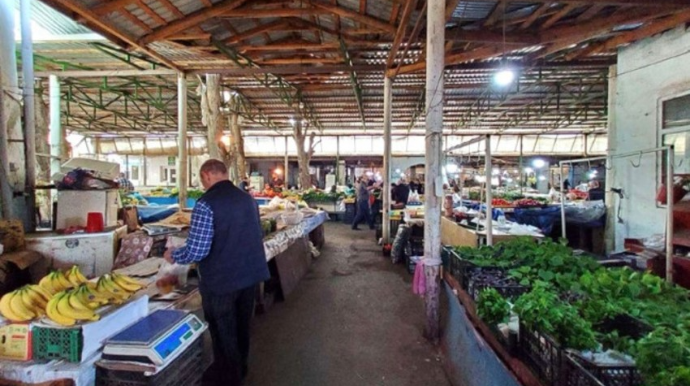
[
  {"x": 363, "y": 208},
  {"x": 226, "y": 240}
]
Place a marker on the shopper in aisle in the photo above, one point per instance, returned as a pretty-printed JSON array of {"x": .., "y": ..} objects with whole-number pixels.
[
  {"x": 363, "y": 207},
  {"x": 226, "y": 240},
  {"x": 245, "y": 185},
  {"x": 402, "y": 193},
  {"x": 124, "y": 183}
]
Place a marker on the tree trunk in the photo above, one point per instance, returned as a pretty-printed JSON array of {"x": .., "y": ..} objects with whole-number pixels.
[
  {"x": 212, "y": 118},
  {"x": 43, "y": 201},
  {"x": 238, "y": 146},
  {"x": 304, "y": 154}
]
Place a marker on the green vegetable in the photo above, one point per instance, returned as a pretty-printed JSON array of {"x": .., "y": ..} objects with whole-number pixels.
[{"x": 492, "y": 307}]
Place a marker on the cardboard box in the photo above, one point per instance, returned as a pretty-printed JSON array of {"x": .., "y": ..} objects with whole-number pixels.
[{"x": 15, "y": 342}]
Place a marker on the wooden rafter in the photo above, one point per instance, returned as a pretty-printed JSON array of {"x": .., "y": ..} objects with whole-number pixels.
[
  {"x": 152, "y": 14},
  {"x": 258, "y": 30},
  {"x": 591, "y": 12},
  {"x": 636, "y": 3},
  {"x": 410, "y": 5},
  {"x": 191, "y": 20},
  {"x": 493, "y": 37},
  {"x": 539, "y": 12},
  {"x": 135, "y": 20},
  {"x": 110, "y": 6},
  {"x": 276, "y": 12},
  {"x": 496, "y": 13},
  {"x": 651, "y": 28},
  {"x": 290, "y": 47},
  {"x": 98, "y": 25},
  {"x": 190, "y": 36},
  {"x": 363, "y": 19},
  {"x": 392, "y": 73},
  {"x": 555, "y": 18}
]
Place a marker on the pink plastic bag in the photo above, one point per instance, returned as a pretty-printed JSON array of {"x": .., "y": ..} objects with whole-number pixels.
[{"x": 419, "y": 280}]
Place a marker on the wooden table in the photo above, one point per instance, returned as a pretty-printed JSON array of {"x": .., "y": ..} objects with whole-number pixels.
[{"x": 454, "y": 234}]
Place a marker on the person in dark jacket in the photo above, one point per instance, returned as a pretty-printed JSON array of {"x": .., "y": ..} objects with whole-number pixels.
[
  {"x": 363, "y": 206},
  {"x": 226, "y": 241},
  {"x": 403, "y": 192}
]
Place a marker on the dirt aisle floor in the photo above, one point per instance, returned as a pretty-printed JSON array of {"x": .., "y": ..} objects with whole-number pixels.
[{"x": 352, "y": 320}]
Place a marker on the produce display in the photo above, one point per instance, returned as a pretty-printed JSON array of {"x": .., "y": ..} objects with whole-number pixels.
[
  {"x": 66, "y": 298},
  {"x": 572, "y": 298},
  {"x": 527, "y": 203},
  {"x": 500, "y": 202}
]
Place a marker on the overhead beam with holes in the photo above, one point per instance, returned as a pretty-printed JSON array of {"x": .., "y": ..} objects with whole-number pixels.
[
  {"x": 636, "y": 3},
  {"x": 356, "y": 87}
]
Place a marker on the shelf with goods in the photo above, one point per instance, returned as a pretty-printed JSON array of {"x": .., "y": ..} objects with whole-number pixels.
[{"x": 606, "y": 319}]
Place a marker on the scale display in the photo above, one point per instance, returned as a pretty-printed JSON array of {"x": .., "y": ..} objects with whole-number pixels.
[{"x": 156, "y": 339}]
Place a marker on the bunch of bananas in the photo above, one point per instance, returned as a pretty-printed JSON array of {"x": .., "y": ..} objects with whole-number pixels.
[
  {"x": 80, "y": 303},
  {"x": 57, "y": 281},
  {"x": 24, "y": 303}
]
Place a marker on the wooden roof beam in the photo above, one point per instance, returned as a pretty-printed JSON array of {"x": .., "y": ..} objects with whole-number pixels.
[
  {"x": 496, "y": 13},
  {"x": 256, "y": 31},
  {"x": 110, "y": 6},
  {"x": 290, "y": 47},
  {"x": 363, "y": 19},
  {"x": 190, "y": 36},
  {"x": 101, "y": 26},
  {"x": 476, "y": 36},
  {"x": 620, "y": 3},
  {"x": 277, "y": 12},
  {"x": 535, "y": 15},
  {"x": 563, "y": 12},
  {"x": 410, "y": 5},
  {"x": 652, "y": 28},
  {"x": 190, "y": 20},
  {"x": 153, "y": 15},
  {"x": 591, "y": 12}
]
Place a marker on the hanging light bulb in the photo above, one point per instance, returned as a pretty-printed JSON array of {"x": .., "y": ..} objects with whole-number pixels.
[{"x": 504, "y": 77}]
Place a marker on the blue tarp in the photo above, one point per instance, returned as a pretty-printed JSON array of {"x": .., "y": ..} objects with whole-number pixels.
[
  {"x": 149, "y": 214},
  {"x": 540, "y": 218}
]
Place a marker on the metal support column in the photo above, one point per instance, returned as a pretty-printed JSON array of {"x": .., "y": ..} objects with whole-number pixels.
[
  {"x": 286, "y": 174},
  {"x": 182, "y": 171},
  {"x": 387, "y": 107},
  {"x": 5, "y": 188},
  {"x": 56, "y": 134},
  {"x": 435, "y": 52},
  {"x": 489, "y": 193},
  {"x": 29, "y": 111}
]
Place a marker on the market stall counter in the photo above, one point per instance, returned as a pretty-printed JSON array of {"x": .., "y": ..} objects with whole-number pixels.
[{"x": 453, "y": 233}]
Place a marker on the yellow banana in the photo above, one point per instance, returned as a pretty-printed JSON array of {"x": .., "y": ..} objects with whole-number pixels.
[
  {"x": 5, "y": 308},
  {"x": 98, "y": 296},
  {"x": 33, "y": 301},
  {"x": 42, "y": 291},
  {"x": 60, "y": 278},
  {"x": 76, "y": 303},
  {"x": 64, "y": 308},
  {"x": 107, "y": 287},
  {"x": 86, "y": 298},
  {"x": 47, "y": 284},
  {"x": 55, "y": 315},
  {"x": 18, "y": 307},
  {"x": 80, "y": 276},
  {"x": 127, "y": 279},
  {"x": 125, "y": 285},
  {"x": 72, "y": 278}
]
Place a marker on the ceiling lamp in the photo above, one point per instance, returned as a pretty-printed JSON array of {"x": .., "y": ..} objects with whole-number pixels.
[{"x": 504, "y": 77}]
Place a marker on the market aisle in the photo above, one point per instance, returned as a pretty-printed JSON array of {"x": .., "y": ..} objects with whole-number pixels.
[{"x": 352, "y": 321}]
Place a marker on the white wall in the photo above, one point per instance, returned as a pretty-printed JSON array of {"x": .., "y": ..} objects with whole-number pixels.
[{"x": 647, "y": 71}]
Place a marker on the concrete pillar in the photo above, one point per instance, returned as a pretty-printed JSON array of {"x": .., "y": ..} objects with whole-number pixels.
[
  {"x": 57, "y": 134},
  {"x": 611, "y": 198},
  {"x": 182, "y": 170},
  {"x": 29, "y": 111},
  {"x": 387, "y": 107},
  {"x": 286, "y": 168},
  {"x": 435, "y": 52}
]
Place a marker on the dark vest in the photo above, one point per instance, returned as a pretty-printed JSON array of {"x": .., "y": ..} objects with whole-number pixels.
[{"x": 237, "y": 259}]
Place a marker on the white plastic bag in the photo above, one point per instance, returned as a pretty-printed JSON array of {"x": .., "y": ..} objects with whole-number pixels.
[{"x": 171, "y": 276}]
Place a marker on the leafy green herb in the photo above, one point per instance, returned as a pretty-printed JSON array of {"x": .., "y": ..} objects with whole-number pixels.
[{"x": 492, "y": 307}]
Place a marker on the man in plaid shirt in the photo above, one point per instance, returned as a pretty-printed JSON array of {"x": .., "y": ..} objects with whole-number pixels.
[{"x": 226, "y": 241}]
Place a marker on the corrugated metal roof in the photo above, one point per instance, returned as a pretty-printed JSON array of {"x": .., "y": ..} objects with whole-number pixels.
[{"x": 52, "y": 20}]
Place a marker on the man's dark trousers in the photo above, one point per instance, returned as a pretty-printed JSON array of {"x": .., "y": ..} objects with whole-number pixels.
[{"x": 228, "y": 317}]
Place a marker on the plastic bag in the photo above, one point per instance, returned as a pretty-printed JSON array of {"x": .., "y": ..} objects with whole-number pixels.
[{"x": 171, "y": 276}]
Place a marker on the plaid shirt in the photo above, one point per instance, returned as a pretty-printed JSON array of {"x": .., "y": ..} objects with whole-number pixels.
[
  {"x": 125, "y": 184},
  {"x": 200, "y": 238}
]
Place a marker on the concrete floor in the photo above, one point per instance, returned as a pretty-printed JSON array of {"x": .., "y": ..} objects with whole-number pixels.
[{"x": 352, "y": 320}]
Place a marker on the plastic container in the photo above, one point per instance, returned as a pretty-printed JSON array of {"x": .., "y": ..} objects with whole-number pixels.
[
  {"x": 185, "y": 370},
  {"x": 57, "y": 343},
  {"x": 15, "y": 342},
  {"x": 542, "y": 354},
  {"x": 95, "y": 222}
]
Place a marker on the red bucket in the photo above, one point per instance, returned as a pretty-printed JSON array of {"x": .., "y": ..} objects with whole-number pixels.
[{"x": 94, "y": 222}]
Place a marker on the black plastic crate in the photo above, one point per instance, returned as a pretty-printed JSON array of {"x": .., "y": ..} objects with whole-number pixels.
[
  {"x": 626, "y": 325},
  {"x": 612, "y": 374},
  {"x": 542, "y": 354},
  {"x": 478, "y": 279},
  {"x": 185, "y": 370},
  {"x": 574, "y": 374}
]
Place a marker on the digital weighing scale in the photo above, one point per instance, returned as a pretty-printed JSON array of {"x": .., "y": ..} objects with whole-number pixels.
[{"x": 156, "y": 340}]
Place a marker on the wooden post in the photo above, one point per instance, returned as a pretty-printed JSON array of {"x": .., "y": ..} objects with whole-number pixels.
[
  {"x": 182, "y": 171},
  {"x": 56, "y": 134},
  {"x": 435, "y": 42},
  {"x": 5, "y": 188},
  {"x": 387, "y": 103},
  {"x": 489, "y": 193},
  {"x": 238, "y": 147},
  {"x": 29, "y": 111}
]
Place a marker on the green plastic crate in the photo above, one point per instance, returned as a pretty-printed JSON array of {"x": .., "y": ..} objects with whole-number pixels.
[{"x": 57, "y": 343}]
